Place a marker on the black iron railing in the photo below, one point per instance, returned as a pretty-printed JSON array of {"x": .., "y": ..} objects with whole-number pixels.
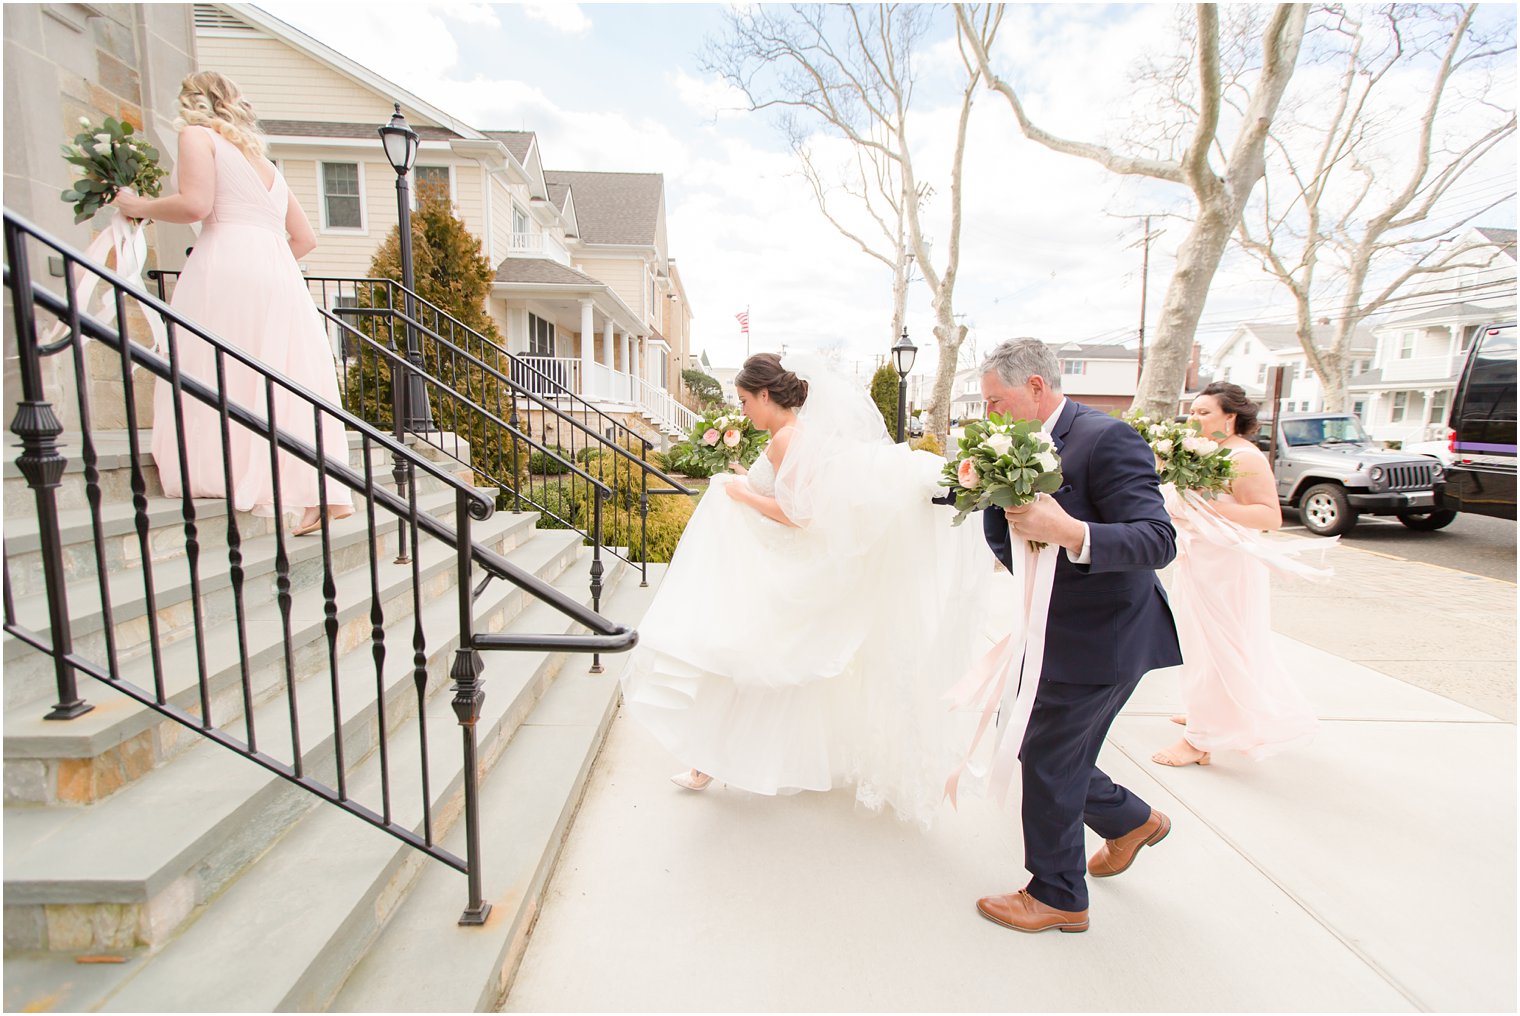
[
  {"x": 276, "y": 429},
  {"x": 522, "y": 429}
]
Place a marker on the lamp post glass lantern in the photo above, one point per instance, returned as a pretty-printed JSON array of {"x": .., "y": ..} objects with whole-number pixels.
[
  {"x": 903, "y": 355},
  {"x": 400, "y": 144}
]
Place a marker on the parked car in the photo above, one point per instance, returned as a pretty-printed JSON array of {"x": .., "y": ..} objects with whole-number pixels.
[
  {"x": 1332, "y": 472},
  {"x": 1481, "y": 477},
  {"x": 915, "y": 426}
]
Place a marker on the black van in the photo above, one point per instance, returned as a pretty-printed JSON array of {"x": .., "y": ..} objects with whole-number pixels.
[{"x": 1481, "y": 477}]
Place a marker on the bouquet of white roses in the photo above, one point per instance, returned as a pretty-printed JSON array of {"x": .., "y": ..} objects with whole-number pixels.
[
  {"x": 1002, "y": 462},
  {"x": 722, "y": 437},
  {"x": 111, "y": 157},
  {"x": 1184, "y": 457}
]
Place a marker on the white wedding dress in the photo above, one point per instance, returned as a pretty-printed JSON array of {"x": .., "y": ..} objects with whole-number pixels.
[{"x": 780, "y": 658}]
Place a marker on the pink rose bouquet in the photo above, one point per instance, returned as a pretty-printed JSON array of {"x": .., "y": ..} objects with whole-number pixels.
[
  {"x": 1184, "y": 457},
  {"x": 1002, "y": 462}
]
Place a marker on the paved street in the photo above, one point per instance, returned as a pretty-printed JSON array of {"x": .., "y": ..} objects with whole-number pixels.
[
  {"x": 1473, "y": 543},
  {"x": 1301, "y": 883}
]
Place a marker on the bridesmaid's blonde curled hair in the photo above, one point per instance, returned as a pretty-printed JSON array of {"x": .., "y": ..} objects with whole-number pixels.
[{"x": 208, "y": 99}]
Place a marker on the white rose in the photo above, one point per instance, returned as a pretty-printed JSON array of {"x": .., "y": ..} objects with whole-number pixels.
[
  {"x": 84, "y": 121},
  {"x": 1048, "y": 461},
  {"x": 1199, "y": 445},
  {"x": 1163, "y": 447},
  {"x": 999, "y": 443}
]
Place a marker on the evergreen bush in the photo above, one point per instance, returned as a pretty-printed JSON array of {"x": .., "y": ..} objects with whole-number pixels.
[{"x": 884, "y": 393}]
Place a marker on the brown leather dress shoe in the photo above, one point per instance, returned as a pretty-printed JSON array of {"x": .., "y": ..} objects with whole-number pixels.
[
  {"x": 1117, "y": 855},
  {"x": 1022, "y": 912}
]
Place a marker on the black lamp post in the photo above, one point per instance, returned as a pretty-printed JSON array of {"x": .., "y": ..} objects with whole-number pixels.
[
  {"x": 902, "y": 358},
  {"x": 400, "y": 143}
]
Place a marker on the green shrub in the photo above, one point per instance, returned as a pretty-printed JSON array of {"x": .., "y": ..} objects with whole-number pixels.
[
  {"x": 928, "y": 443},
  {"x": 884, "y": 393},
  {"x": 546, "y": 465},
  {"x": 668, "y": 515}
]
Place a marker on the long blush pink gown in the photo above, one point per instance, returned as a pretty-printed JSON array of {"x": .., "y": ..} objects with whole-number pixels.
[
  {"x": 1236, "y": 692},
  {"x": 241, "y": 284}
]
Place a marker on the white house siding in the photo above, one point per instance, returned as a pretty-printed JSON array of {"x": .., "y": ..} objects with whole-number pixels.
[
  {"x": 624, "y": 274},
  {"x": 501, "y": 221},
  {"x": 284, "y": 84},
  {"x": 468, "y": 204}
]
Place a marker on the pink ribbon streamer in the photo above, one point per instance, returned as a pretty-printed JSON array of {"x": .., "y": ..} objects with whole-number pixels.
[
  {"x": 1199, "y": 520},
  {"x": 125, "y": 237},
  {"x": 1003, "y": 683}
]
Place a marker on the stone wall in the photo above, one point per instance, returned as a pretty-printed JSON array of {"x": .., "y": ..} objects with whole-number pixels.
[{"x": 62, "y": 62}]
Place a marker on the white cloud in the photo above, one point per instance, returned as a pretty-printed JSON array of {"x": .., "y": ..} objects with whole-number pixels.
[{"x": 567, "y": 18}]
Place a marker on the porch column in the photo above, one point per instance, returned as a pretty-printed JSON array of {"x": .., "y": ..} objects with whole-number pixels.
[
  {"x": 607, "y": 344},
  {"x": 588, "y": 347},
  {"x": 625, "y": 347},
  {"x": 637, "y": 342}
]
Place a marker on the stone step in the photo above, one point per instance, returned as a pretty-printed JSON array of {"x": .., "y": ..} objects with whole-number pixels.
[
  {"x": 89, "y": 757},
  {"x": 114, "y": 462},
  {"x": 424, "y": 961},
  {"x": 128, "y": 871},
  {"x": 29, "y": 673},
  {"x": 299, "y": 919}
]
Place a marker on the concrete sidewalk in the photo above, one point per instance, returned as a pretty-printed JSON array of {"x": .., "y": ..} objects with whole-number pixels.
[{"x": 1373, "y": 870}]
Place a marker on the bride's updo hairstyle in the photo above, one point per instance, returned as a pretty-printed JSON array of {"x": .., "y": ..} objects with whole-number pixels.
[
  {"x": 207, "y": 99},
  {"x": 1232, "y": 399},
  {"x": 763, "y": 373}
]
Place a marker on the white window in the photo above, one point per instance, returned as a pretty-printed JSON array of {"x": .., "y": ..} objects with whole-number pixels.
[
  {"x": 343, "y": 197},
  {"x": 435, "y": 176},
  {"x": 519, "y": 220},
  {"x": 1438, "y": 403},
  {"x": 1359, "y": 409},
  {"x": 1073, "y": 367},
  {"x": 1406, "y": 345},
  {"x": 1400, "y": 405},
  {"x": 1261, "y": 373}
]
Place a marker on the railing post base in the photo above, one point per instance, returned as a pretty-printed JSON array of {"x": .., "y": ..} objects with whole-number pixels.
[
  {"x": 475, "y": 915},
  {"x": 68, "y": 710}
]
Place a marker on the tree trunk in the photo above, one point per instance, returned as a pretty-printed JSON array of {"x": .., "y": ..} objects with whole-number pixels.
[
  {"x": 949, "y": 334},
  {"x": 1167, "y": 358}
]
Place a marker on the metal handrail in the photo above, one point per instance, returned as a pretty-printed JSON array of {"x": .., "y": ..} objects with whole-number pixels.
[{"x": 43, "y": 464}]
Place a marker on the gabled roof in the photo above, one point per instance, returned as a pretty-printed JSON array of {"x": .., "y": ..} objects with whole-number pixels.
[
  {"x": 1284, "y": 338},
  {"x": 519, "y": 143},
  {"x": 366, "y": 131},
  {"x": 1446, "y": 312},
  {"x": 389, "y": 90},
  {"x": 1505, "y": 238},
  {"x": 1092, "y": 352},
  {"x": 558, "y": 194},
  {"x": 615, "y": 208},
  {"x": 542, "y": 272}
]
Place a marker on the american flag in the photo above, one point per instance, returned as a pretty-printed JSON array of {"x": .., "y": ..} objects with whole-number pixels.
[{"x": 743, "y": 318}]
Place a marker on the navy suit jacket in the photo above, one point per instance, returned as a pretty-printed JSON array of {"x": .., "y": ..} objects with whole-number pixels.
[{"x": 1109, "y": 620}]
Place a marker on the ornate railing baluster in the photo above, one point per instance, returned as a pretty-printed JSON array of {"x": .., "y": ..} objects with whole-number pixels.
[
  {"x": 91, "y": 470},
  {"x": 419, "y": 666},
  {"x": 235, "y": 554},
  {"x": 282, "y": 597},
  {"x": 187, "y": 511},
  {"x": 469, "y": 697},
  {"x": 42, "y": 464},
  {"x": 140, "y": 510},
  {"x": 330, "y": 605},
  {"x": 377, "y": 634}
]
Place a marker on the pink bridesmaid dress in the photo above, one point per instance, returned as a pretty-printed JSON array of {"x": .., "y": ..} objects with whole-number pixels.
[
  {"x": 242, "y": 284},
  {"x": 1236, "y": 692}
]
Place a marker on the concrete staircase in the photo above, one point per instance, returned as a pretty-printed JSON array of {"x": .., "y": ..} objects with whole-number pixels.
[{"x": 147, "y": 868}]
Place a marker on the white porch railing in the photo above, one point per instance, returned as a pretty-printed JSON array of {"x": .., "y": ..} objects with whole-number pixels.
[
  {"x": 663, "y": 406},
  {"x": 527, "y": 243},
  {"x": 602, "y": 383},
  {"x": 548, "y": 372}
]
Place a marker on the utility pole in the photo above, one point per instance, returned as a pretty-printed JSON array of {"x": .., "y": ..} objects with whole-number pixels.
[{"x": 1145, "y": 275}]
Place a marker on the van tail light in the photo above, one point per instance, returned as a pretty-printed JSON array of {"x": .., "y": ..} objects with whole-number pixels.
[{"x": 1451, "y": 441}]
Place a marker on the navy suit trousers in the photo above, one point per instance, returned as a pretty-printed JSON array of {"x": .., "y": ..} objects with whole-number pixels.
[{"x": 1063, "y": 787}]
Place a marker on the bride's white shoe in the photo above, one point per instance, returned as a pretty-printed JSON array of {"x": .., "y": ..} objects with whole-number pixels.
[{"x": 694, "y": 780}]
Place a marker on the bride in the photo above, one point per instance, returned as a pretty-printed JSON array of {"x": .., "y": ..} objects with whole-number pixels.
[{"x": 816, "y": 609}]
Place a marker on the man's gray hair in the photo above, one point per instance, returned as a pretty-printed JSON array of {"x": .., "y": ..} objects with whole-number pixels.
[{"x": 1017, "y": 360}]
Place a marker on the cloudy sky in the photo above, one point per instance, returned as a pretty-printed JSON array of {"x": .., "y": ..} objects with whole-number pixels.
[{"x": 1050, "y": 241}]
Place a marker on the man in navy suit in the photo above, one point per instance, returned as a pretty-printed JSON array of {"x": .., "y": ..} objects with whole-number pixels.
[{"x": 1109, "y": 624}]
